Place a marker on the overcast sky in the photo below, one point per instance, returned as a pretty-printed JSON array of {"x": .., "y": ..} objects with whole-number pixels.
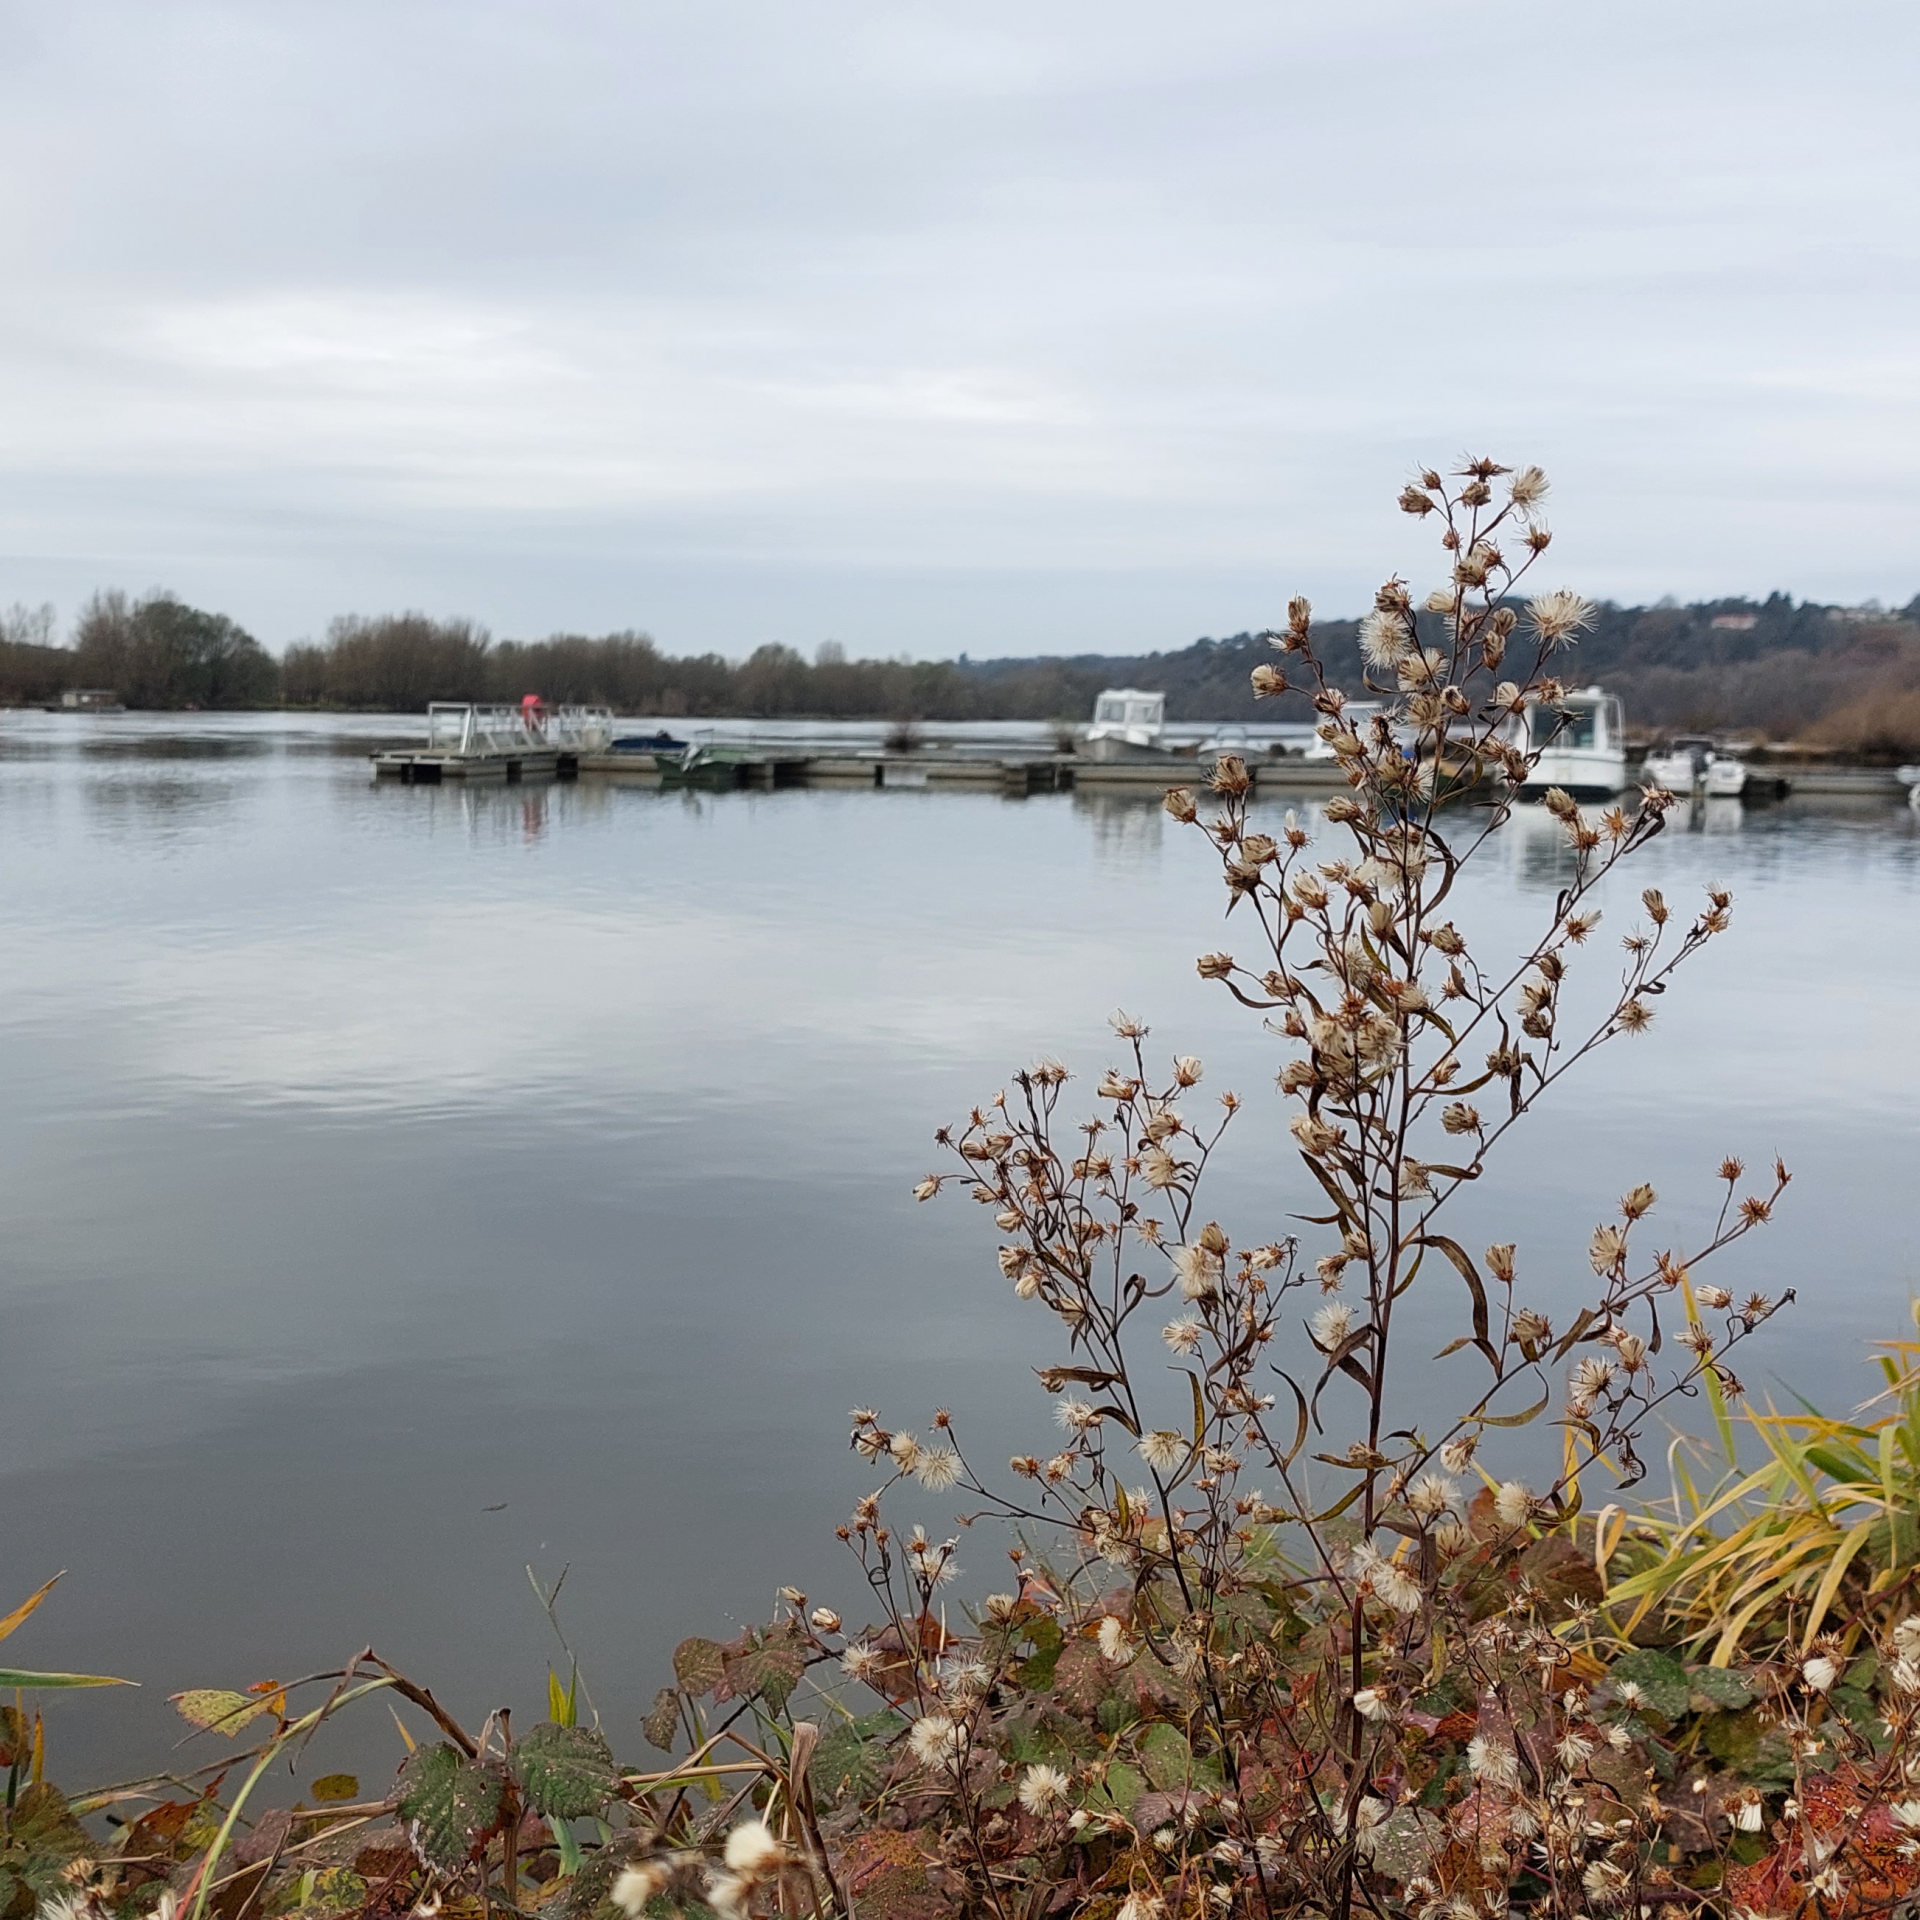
[{"x": 998, "y": 327}]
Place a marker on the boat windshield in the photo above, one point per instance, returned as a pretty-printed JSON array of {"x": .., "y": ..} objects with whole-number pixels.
[{"x": 1575, "y": 727}]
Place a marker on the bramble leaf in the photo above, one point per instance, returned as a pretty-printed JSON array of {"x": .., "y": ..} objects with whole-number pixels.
[
  {"x": 699, "y": 1664},
  {"x": 662, "y": 1724},
  {"x": 448, "y": 1804},
  {"x": 771, "y": 1673},
  {"x": 853, "y": 1759},
  {"x": 568, "y": 1772}
]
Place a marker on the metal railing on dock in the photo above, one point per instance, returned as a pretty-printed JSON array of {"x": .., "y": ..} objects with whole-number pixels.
[{"x": 470, "y": 741}]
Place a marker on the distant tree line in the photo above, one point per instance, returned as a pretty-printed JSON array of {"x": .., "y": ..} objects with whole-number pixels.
[
  {"x": 1846, "y": 676},
  {"x": 156, "y": 652}
]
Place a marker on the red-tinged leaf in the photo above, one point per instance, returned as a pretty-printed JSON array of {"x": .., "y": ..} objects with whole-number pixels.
[{"x": 699, "y": 1664}]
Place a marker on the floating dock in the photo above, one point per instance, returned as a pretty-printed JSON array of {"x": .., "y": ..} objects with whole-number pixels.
[
  {"x": 722, "y": 769},
  {"x": 470, "y": 742}
]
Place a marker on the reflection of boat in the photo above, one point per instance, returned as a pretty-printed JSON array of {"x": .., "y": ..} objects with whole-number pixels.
[
  {"x": 1692, "y": 761},
  {"x": 1127, "y": 722},
  {"x": 1578, "y": 745},
  {"x": 1911, "y": 775}
]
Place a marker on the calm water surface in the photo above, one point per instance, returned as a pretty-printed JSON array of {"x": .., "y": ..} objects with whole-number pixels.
[{"x": 405, "y": 1186}]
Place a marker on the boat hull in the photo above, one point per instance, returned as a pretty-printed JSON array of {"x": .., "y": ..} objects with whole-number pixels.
[
  {"x": 1719, "y": 779},
  {"x": 1587, "y": 773}
]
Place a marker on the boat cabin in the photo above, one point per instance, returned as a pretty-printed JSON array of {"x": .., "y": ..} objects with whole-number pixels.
[{"x": 1129, "y": 714}]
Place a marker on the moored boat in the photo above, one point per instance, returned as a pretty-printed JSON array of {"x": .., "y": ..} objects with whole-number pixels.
[
  {"x": 1128, "y": 723},
  {"x": 1578, "y": 744},
  {"x": 1692, "y": 763}
]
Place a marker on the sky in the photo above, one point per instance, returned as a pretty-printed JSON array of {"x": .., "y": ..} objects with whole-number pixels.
[{"x": 997, "y": 328}]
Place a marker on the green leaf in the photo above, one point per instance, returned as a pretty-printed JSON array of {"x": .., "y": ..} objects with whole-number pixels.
[
  {"x": 1036, "y": 1674},
  {"x": 591, "y": 1884},
  {"x": 15, "y": 1677},
  {"x": 563, "y": 1704},
  {"x": 662, "y": 1724},
  {"x": 44, "y": 1838},
  {"x": 336, "y": 1786},
  {"x": 699, "y": 1664},
  {"x": 448, "y": 1804},
  {"x": 852, "y": 1761},
  {"x": 1166, "y": 1756},
  {"x": 568, "y": 1772},
  {"x": 1122, "y": 1787},
  {"x": 1658, "y": 1675},
  {"x": 1720, "y": 1689}
]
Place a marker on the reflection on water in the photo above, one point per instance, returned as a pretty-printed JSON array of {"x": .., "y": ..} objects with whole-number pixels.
[
  {"x": 1127, "y": 827},
  {"x": 408, "y": 1184}
]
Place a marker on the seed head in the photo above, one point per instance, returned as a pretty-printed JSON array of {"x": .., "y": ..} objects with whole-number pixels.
[
  {"x": 1042, "y": 1788},
  {"x": 936, "y": 1741},
  {"x": 937, "y": 1469},
  {"x": 1198, "y": 1271},
  {"x": 1331, "y": 1325},
  {"x": 1560, "y": 615},
  {"x": 1527, "y": 488},
  {"x": 1493, "y": 1761},
  {"x": 637, "y": 1885},
  {"x": 753, "y": 1850},
  {"x": 1512, "y": 1503}
]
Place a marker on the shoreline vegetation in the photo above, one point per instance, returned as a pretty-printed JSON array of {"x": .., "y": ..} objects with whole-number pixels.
[
  {"x": 1842, "y": 679},
  {"x": 1263, "y": 1649}
]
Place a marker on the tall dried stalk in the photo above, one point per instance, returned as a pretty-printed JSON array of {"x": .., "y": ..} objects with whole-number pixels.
[{"x": 1370, "y": 1590}]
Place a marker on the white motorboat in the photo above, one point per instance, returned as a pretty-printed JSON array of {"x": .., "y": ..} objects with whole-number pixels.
[
  {"x": 1692, "y": 763},
  {"x": 1911, "y": 775},
  {"x": 1578, "y": 745},
  {"x": 1127, "y": 721}
]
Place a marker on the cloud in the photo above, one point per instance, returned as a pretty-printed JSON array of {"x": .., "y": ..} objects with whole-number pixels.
[{"x": 1098, "y": 326}]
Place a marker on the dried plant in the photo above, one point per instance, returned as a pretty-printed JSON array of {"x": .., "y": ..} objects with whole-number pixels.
[{"x": 1281, "y": 1654}]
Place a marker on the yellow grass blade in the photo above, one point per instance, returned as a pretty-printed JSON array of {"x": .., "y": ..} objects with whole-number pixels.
[{"x": 26, "y": 1607}]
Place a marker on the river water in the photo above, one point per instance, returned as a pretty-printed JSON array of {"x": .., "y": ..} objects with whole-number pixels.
[{"x": 405, "y": 1186}]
